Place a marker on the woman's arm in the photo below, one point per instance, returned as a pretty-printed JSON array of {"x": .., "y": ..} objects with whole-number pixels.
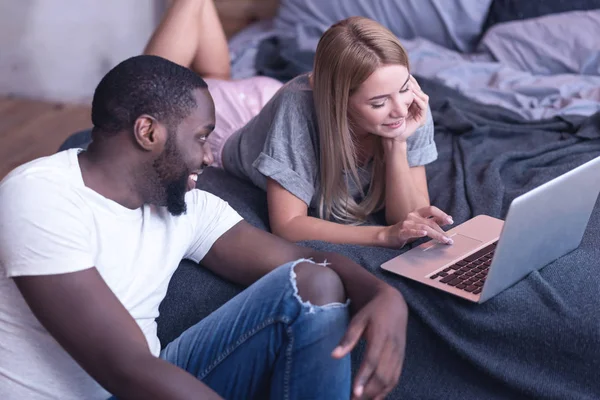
[
  {"x": 191, "y": 34},
  {"x": 405, "y": 187},
  {"x": 288, "y": 217}
]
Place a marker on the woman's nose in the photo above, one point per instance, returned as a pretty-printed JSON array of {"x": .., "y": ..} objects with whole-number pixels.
[{"x": 401, "y": 105}]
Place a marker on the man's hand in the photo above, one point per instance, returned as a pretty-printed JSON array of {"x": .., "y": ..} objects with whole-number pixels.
[{"x": 382, "y": 323}]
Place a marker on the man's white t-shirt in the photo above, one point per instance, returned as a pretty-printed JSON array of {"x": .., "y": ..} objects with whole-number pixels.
[{"x": 51, "y": 223}]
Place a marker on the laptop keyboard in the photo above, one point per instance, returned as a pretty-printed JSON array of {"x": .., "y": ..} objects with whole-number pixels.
[{"x": 470, "y": 273}]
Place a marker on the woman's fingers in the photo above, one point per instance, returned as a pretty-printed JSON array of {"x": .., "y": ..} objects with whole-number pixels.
[
  {"x": 436, "y": 233},
  {"x": 430, "y": 219},
  {"x": 414, "y": 83},
  {"x": 432, "y": 212}
]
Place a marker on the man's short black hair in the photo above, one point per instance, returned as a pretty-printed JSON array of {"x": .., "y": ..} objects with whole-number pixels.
[{"x": 144, "y": 85}]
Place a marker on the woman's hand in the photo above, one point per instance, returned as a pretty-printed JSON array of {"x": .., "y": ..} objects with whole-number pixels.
[
  {"x": 417, "y": 114},
  {"x": 417, "y": 111},
  {"x": 426, "y": 221}
]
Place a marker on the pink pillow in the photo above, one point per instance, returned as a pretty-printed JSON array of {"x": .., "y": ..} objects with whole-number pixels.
[{"x": 236, "y": 103}]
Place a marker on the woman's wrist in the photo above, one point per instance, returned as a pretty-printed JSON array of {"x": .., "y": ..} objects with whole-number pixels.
[
  {"x": 393, "y": 148},
  {"x": 386, "y": 238},
  {"x": 382, "y": 237}
]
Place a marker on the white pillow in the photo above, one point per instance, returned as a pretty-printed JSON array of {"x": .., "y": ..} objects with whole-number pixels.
[
  {"x": 455, "y": 24},
  {"x": 553, "y": 44}
]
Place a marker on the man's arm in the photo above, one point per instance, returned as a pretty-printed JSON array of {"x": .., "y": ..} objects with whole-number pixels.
[
  {"x": 244, "y": 254},
  {"x": 88, "y": 321}
]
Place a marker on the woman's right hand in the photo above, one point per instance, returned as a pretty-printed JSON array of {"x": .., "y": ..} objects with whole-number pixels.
[{"x": 426, "y": 221}]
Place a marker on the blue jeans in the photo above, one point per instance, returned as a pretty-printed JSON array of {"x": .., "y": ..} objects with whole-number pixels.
[{"x": 267, "y": 343}]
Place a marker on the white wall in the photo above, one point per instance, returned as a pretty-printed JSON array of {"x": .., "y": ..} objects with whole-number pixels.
[{"x": 60, "y": 49}]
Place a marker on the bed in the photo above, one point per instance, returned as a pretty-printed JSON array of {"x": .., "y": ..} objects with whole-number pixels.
[
  {"x": 538, "y": 339},
  {"x": 515, "y": 94}
]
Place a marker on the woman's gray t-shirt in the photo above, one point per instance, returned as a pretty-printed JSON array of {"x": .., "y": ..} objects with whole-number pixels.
[{"x": 282, "y": 143}]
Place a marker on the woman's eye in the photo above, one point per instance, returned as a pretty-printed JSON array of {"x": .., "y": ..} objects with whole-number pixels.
[{"x": 379, "y": 105}]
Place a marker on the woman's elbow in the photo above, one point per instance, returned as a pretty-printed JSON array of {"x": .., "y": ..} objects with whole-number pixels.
[{"x": 286, "y": 230}]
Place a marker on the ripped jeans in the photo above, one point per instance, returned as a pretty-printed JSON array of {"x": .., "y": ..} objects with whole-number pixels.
[{"x": 267, "y": 343}]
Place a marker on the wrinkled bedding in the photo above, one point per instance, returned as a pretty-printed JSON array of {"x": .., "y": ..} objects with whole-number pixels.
[
  {"x": 539, "y": 67},
  {"x": 538, "y": 339}
]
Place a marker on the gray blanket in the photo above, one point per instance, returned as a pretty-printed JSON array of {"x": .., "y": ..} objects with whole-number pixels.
[{"x": 538, "y": 339}]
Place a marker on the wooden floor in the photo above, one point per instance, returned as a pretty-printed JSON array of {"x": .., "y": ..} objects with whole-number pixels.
[{"x": 31, "y": 129}]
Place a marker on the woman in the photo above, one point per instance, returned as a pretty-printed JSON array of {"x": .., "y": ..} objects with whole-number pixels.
[{"x": 349, "y": 139}]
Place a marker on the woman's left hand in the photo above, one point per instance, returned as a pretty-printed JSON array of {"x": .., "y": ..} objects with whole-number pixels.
[
  {"x": 416, "y": 118},
  {"x": 417, "y": 111}
]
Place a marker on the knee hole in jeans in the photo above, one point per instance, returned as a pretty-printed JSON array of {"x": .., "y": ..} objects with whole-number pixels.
[{"x": 319, "y": 285}]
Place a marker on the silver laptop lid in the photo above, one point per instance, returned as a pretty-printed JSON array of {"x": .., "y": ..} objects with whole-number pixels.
[{"x": 543, "y": 225}]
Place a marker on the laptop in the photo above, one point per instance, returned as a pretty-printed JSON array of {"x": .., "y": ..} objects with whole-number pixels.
[{"x": 490, "y": 255}]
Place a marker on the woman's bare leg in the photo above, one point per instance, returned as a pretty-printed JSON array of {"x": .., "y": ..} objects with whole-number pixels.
[{"x": 191, "y": 35}]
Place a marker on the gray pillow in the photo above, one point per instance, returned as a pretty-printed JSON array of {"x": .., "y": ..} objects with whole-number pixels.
[
  {"x": 510, "y": 10},
  {"x": 455, "y": 24},
  {"x": 565, "y": 43}
]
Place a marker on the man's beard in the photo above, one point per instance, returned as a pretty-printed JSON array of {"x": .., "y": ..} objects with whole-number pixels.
[
  {"x": 176, "y": 190},
  {"x": 172, "y": 186}
]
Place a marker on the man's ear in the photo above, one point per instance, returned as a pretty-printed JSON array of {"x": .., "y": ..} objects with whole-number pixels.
[{"x": 149, "y": 134}]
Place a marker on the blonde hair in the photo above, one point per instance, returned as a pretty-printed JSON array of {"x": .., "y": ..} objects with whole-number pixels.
[{"x": 347, "y": 54}]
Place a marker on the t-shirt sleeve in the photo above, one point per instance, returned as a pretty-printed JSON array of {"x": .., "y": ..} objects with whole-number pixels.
[
  {"x": 289, "y": 155},
  {"x": 421, "y": 145},
  {"x": 44, "y": 228},
  {"x": 211, "y": 218}
]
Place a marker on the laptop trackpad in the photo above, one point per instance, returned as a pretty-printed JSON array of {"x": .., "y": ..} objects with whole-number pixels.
[
  {"x": 433, "y": 250},
  {"x": 428, "y": 257}
]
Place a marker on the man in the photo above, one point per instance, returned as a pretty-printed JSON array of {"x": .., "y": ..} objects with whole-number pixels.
[{"x": 90, "y": 239}]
